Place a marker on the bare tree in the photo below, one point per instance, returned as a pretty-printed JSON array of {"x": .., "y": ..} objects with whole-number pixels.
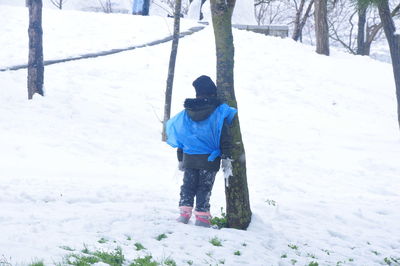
[
  {"x": 341, "y": 23},
  {"x": 373, "y": 30},
  {"x": 355, "y": 26},
  {"x": 35, "y": 61},
  {"x": 300, "y": 20},
  {"x": 171, "y": 67},
  {"x": 362, "y": 20},
  {"x": 58, "y": 3},
  {"x": 321, "y": 26},
  {"x": 270, "y": 11},
  {"x": 237, "y": 193},
  {"x": 393, "y": 39},
  {"x": 169, "y": 6},
  {"x": 106, "y": 6}
]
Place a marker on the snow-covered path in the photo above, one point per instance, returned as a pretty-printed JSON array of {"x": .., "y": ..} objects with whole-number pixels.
[{"x": 86, "y": 161}]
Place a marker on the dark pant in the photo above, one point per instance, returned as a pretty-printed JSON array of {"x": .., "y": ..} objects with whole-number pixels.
[{"x": 197, "y": 183}]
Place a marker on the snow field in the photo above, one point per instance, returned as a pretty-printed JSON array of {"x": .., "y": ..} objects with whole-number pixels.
[
  {"x": 86, "y": 161},
  {"x": 95, "y": 32}
]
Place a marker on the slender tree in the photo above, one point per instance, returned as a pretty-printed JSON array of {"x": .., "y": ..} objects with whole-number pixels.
[
  {"x": 35, "y": 61},
  {"x": 58, "y": 3},
  {"x": 237, "y": 193},
  {"x": 171, "y": 67},
  {"x": 393, "y": 39},
  {"x": 299, "y": 21},
  {"x": 321, "y": 26},
  {"x": 141, "y": 7},
  {"x": 368, "y": 33},
  {"x": 362, "y": 18}
]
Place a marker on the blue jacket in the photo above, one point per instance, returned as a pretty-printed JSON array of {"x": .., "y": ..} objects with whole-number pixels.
[{"x": 199, "y": 137}]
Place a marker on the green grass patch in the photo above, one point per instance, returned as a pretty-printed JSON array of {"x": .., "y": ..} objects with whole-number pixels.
[
  {"x": 169, "y": 262},
  {"x": 215, "y": 241},
  {"x": 67, "y": 248},
  {"x": 139, "y": 246},
  {"x": 237, "y": 253},
  {"x": 284, "y": 256},
  {"x": 113, "y": 258},
  {"x": 220, "y": 222},
  {"x": 294, "y": 247},
  {"x": 36, "y": 263},
  {"x": 85, "y": 249},
  {"x": 80, "y": 260},
  {"x": 313, "y": 263},
  {"x": 392, "y": 261},
  {"x": 102, "y": 240},
  {"x": 145, "y": 261},
  {"x": 161, "y": 237}
]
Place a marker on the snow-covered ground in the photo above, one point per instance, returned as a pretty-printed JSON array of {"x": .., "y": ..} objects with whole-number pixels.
[
  {"x": 67, "y": 35},
  {"x": 85, "y": 163}
]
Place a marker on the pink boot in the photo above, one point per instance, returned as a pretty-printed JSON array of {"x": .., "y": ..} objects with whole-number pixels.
[
  {"x": 203, "y": 219},
  {"x": 185, "y": 214}
]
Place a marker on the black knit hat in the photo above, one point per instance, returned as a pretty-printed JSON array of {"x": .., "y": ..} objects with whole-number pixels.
[{"x": 204, "y": 86}]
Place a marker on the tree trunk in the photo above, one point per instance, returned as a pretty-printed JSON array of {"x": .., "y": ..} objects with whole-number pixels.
[
  {"x": 140, "y": 7},
  {"x": 362, "y": 11},
  {"x": 171, "y": 67},
  {"x": 298, "y": 32},
  {"x": 321, "y": 27},
  {"x": 35, "y": 62},
  {"x": 237, "y": 194},
  {"x": 146, "y": 7},
  {"x": 394, "y": 45}
]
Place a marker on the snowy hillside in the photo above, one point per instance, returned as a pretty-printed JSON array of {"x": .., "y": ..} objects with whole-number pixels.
[
  {"x": 95, "y": 32},
  {"x": 85, "y": 167}
]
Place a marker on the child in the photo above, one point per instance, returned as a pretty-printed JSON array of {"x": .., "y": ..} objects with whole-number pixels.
[{"x": 201, "y": 134}]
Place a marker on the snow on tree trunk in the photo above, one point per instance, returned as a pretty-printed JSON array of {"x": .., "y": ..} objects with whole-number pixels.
[
  {"x": 35, "y": 61},
  {"x": 237, "y": 193}
]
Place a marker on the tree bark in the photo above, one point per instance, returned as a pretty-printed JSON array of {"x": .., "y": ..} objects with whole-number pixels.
[
  {"x": 146, "y": 7},
  {"x": 362, "y": 18},
  {"x": 35, "y": 61},
  {"x": 171, "y": 67},
  {"x": 394, "y": 45},
  {"x": 321, "y": 27},
  {"x": 237, "y": 194},
  {"x": 300, "y": 23},
  {"x": 296, "y": 30}
]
